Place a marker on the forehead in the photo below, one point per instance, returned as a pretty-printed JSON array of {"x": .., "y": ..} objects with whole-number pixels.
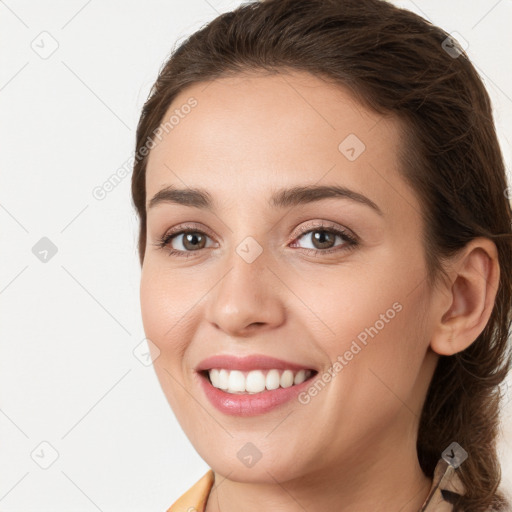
[{"x": 250, "y": 133}]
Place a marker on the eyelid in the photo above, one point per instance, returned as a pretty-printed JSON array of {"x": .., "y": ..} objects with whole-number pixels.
[
  {"x": 188, "y": 226},
  {"x": 325, "y": 225}
]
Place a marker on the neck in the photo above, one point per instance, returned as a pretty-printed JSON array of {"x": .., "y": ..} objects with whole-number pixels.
[{"x": 387, "y": 477}]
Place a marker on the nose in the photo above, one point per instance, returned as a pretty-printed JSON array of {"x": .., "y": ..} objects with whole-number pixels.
[{"x": 248, "y": 298}]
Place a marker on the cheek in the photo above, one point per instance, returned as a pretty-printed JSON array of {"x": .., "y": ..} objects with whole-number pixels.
[
  {"x": 152, "y": 306},
  {"x": 350, "y": 304},
  {"x": 163, "y": 308},
  {"x": 163, "y": 311},
  {"x": 373, "y": 321},
  {"x": 388, "y": 370}
]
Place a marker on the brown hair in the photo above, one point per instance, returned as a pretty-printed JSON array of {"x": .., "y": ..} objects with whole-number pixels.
[{"x": 396, "y": 63}]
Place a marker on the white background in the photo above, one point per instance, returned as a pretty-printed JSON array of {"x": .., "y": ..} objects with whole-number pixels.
[{"x": 68, "y": 375}]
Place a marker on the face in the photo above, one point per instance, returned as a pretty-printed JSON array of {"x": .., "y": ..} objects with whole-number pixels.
[{"x": 332, "y": 282}]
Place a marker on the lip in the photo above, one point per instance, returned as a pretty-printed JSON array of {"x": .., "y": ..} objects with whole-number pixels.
[
  {"x": 248, "y": 363},
  {"x": 250, "y": 404}
]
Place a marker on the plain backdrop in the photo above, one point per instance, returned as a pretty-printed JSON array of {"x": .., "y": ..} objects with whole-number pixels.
[{"x": 84, "y": 425}]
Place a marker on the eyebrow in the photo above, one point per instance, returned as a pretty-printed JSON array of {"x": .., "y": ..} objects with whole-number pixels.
[{"x": 283, "y": 198}]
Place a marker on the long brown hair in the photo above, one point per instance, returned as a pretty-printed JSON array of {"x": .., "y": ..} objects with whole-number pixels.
[{"x": 398, "y": 64}]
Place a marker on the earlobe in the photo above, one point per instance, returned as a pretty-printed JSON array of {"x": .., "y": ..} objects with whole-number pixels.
[{"x": 470, "y": 294}]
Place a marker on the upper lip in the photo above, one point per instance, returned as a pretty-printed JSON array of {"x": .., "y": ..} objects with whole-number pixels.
[{"x": 248, "y": 363}]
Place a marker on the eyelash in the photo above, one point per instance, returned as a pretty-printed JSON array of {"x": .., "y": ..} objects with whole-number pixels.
[{"x": 350, "y": 240}]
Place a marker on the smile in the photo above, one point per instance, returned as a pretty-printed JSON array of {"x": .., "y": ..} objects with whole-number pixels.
[{"x": 255, "y": 381}]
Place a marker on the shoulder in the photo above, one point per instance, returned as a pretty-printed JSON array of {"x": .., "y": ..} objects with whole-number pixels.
[{"x": 194, "y": 500}]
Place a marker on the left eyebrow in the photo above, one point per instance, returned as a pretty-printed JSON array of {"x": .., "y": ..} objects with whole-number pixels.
[
  {"x": 285, "y": 198},
  {"x": 282, "y": 198}
]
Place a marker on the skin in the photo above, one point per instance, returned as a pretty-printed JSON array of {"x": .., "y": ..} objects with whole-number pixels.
[{"x": 353, "y": 446}]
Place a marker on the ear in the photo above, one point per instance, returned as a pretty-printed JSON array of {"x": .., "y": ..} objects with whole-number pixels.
[{"x": 466, "y": 299}]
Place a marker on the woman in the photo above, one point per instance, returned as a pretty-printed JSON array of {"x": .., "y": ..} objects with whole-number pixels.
[{"x": 326, "y": 254}]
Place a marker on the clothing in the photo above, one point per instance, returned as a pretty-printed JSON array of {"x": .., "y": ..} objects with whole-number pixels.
[{"x": 445, "y": 484}]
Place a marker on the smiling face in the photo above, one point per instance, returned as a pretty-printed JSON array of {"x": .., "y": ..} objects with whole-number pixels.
[{"x": 332, "y": 281}]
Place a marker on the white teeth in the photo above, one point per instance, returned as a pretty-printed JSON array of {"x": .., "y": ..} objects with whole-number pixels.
[
  {"x": 214, "y": 377},
  {"x": 223, "y": 379},
  {"x": 236, "y": 381},
  {"x": 255, "y": 381},
  {"x": 287, "y": 379},
  {"x": 300, "y": 377},
  {"x": 273, "y": 379}
]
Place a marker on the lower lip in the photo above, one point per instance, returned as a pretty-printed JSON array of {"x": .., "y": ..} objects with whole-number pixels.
[{"x": 250, "y": 404}]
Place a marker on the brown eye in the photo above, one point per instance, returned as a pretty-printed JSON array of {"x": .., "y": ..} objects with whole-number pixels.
[
  {"x": 192, "y": 241},
  {"x": 323, "y": 239},
  {"x": 185, "y": 242}
]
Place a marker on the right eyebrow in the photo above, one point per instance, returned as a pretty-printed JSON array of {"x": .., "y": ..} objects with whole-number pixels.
[{"x": 195, "y": 197}]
